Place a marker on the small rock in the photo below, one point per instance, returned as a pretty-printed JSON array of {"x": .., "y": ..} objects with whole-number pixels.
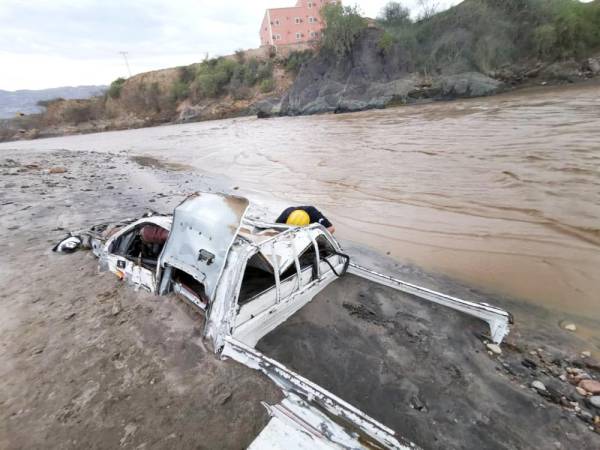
[
  {"x": 592, "y": 386},
  {"x": 529, "y": 363},
  {"x": 538, "y": 386},
  {"x": 591, "y": 363},
  {"x": 494, "y": 348},
  {"x": 586, "y": 354},
  {"x": 563, "y": 377},
  {"x": 418, "y": 404},
  {"x": 116, "y": 308},
  {"x": 223, "y": 398},
  {"x": 564, "y": 402},
  {"x": 581, "y": 391},
  {"x": 570, "y": 327},
  {"x": 586, "y": 417},
  {"x": 594, "y": 401},
  {"x": 70, "y": 316},
  {"x": 582, "y": 376},
  {"x": 55, "y": 170}
]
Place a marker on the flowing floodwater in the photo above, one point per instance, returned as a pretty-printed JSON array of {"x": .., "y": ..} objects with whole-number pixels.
[{"x": 500, "y": 192}]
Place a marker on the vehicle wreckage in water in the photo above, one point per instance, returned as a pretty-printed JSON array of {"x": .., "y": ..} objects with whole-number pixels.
[{"x": 248, "y": 277}]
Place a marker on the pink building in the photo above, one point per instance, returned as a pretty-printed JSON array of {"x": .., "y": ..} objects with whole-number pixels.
[{"x": 297, "y": 24}]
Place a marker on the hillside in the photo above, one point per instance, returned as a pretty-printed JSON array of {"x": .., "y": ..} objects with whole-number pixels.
[
  {"x": 479, "y": 47},
  {"x": 26, "y": 101}
]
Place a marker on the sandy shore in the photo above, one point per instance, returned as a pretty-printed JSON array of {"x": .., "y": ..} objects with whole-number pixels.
[{"x": 87, "y": 362}]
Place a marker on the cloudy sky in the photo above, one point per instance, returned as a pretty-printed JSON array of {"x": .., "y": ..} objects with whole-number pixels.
[{"x": 51, "y": 43}]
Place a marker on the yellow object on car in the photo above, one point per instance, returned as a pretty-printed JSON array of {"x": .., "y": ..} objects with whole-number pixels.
[{"x": 298, "y": 218}]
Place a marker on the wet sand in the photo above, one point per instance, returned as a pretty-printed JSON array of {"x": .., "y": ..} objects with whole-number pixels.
[
  {"x": 500, "y": 192},
  {"x": 85, "y": 361},
  {"x": 88, "y": 362},
  {"x": 422, "y": 370}
]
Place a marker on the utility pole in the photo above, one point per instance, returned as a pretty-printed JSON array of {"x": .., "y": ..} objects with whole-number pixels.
[{"x": 126, "y": 62}]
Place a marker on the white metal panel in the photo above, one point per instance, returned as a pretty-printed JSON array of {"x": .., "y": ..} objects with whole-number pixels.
[
  {"x": 313, "y": 410},
  {"x": 498, "y": 319},
  {"x": 262, "y": 324},
  {"x": 280, "y": 434},
  {"x": 204, "y": 228}
]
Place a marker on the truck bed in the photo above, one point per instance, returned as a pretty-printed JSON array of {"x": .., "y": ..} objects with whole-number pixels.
[{"x": 417, "y": 367}]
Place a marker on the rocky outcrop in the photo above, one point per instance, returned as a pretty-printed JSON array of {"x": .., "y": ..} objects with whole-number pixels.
[{"x": 370, "y": 78}]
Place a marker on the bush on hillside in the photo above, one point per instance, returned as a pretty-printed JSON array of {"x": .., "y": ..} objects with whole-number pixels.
[
  {"x": 218, "y": 76},
  {"x": 343, "y": 26},
  {"x": 114, "y": 91},
  {"x": 180, "y": 91},
  {"x": 486, "y": 34},
  {"x": 296, "y": 59},
  {"x": 267, "y": 85}
]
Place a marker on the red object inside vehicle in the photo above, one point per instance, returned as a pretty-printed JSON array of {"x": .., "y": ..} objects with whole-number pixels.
[{"x": 152, "y": 234}]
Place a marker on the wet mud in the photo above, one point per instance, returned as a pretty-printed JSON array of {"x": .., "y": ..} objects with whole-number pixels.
[
  {"x": 85, "y": 361},
  {"x": 424, "y": 371}
]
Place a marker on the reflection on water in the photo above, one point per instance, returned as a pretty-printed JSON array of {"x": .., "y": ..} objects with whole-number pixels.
[{"x": 502, "y": 192}]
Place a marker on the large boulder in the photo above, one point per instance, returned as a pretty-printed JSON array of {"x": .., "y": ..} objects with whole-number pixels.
[
  {"x": 592, "y": 65},
  {"x": 469, "y": 84}
]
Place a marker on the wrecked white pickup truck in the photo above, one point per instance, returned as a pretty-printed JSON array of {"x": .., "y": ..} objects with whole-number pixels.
[{"x": 248, "y": 277}]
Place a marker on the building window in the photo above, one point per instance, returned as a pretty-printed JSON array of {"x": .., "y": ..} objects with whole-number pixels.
[
  {"x": 312, "y": 20},
  {"x": 276, "y": 23},
  {"x": 314, "y": 34},
  {"x": 297, "y": 20},
  {"x": 298, "y": 36},
  {"x": 276, "y": 37},
  {"x": 310, "y": 4}
]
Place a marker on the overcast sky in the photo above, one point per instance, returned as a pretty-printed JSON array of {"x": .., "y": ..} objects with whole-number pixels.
[{"x": 52, "y": 43}]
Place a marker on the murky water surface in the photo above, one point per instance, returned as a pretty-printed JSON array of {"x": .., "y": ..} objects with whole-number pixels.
[{"x": 501, "y": 192}]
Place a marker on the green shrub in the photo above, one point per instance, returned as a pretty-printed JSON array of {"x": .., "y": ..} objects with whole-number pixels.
[
  {"x": 180, "y": 91},
  {"x": 296, "y": 59},
  {"x": 265, "y": 71},
  {"x": 267, "y": 85},
  {"x": 215, "y": 77},
  {"x": 545, "y": 40},
  {"x": 343, "y": 26},
  {"x": 386, "y": 42},
  {"x": 114, "y": 91}
]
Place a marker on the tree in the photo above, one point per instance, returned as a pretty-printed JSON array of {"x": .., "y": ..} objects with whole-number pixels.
[
  {"x": 428, "y": 8},
  {"x": 343, "y": 26},
  {"x": 394, "y": 14}
]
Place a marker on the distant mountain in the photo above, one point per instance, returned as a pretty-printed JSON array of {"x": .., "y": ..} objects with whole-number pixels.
[{"x": 25, "y": 101}]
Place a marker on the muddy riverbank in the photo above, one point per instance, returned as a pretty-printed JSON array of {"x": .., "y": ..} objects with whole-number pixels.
[{"x": 88, "y": 362}]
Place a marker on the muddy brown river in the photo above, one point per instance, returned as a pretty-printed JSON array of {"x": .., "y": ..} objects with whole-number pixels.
[{"x": 501, "y": 192}]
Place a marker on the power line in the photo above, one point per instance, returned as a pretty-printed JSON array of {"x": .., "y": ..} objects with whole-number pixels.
[{"x": 126, "y": 62}]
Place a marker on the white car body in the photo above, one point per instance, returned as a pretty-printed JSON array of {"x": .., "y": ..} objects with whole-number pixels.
[{"x": 248, "y": 277}]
